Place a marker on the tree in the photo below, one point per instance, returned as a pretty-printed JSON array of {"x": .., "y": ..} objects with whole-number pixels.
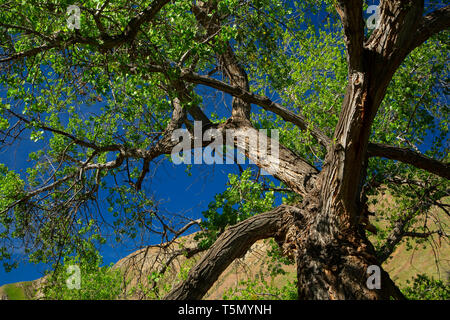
[{"x": 352, "y": 105}]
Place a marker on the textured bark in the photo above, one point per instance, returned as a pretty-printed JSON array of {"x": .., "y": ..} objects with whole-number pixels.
[
  {"x": 430, "y": 25},
  {"x": 285, "y": 165},
  {"x": 410, "y": 157},
  {"x": 350, "y": 12},
  {"x": 332, "y": 260},
  {"x": 332, "y": 251},
  {"x": 325, "y": 232},
  {"x": 232, "y": 244}
]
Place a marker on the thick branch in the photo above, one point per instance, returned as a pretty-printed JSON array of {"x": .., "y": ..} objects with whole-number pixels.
[
  {"x": 381, "y": 55},
  {"x": 232, "y": 244},
  {"x": 350, "y": 12},
  {"x": 431, "y": 24},
  {"x": 145, "y": 16},
  {"x": 391, "y": 42},
  {"x": 283, "y": 164},
  {"x": 286, "y": 166},
  {"x": 259, "y": 100},
  {"x": 206, "y": 15},
  {"x": 410, "y": 157}
]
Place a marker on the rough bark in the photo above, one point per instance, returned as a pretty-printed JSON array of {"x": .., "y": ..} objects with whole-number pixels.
[
  {"x": 408, "y": 156},
  {"x": 332, "y": 262},
  {"x": 332, "y": 251},
  {"x": 284, "y": 165},
  {"x": 232, "y": 244},
  {"x": 325, "y": 233}
]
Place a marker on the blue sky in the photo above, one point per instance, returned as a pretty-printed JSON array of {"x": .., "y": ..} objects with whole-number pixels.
[
  {"x": 177, "y": 192},
  {"x": 167, "y": 183}
]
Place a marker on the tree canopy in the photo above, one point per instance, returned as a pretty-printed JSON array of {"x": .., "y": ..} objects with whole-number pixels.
[{"x": 102, "y": 102}]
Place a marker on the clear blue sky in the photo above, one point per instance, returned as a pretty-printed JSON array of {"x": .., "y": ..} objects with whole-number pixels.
[{"x": 177, "y": 192}]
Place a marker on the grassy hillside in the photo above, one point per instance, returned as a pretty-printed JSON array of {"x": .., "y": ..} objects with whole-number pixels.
[
  {"x": 409, "y": 258},
  {"x": 17, "y": 291}
]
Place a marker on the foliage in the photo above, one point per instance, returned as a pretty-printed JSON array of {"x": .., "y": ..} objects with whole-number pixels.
[
  {"x": 260, "y": 289},
  {"x": 242, "y": 199},
  {"x": 159, "y": 284},
  {"x": 423, "y": 287},
  {"x": 277, "y": 259},
  {"x": 97, "y": 282}
]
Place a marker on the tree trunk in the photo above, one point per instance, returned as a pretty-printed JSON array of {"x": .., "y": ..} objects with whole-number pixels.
[
  {"x": 327, "y": 235},
  {"x": 334, "y": 264},
  {"x": 326, "y": 232},
  {"x": 333, "y": 253}
]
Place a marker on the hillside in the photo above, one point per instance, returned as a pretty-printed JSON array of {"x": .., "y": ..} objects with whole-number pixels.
[
  {"x": 406, "y": 262},
  {"x": 140, "y": 264}
]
